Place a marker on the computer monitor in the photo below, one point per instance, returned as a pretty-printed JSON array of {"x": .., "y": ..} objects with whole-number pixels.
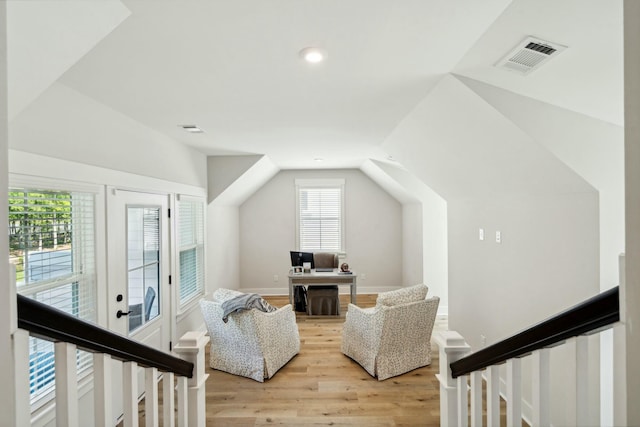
[{"x": 297, "y": 258}]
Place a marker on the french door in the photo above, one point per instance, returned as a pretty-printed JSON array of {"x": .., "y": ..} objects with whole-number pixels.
[{"x": 139, "y": 297}]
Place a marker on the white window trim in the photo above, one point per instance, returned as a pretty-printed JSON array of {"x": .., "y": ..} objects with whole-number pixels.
[
  {"x": 185, "y": 308},
  {"x": 321, "y": 183},
  {"x": 46, "y": 401}
]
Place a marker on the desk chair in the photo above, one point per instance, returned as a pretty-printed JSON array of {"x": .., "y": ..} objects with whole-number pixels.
[{"x": 324, "y": 300}]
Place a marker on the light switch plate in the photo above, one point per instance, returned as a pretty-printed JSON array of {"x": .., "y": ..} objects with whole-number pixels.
[
  {"x": 498, "y": 237},
  {"x": 481, "y": 234}
]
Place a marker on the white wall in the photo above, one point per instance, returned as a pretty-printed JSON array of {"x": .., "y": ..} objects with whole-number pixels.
[
  {"x": 412, "y": 243},
  {"x": 547, "y": 262},
  {"x": 595, "y": 150},
  {"x": 7, "y": 291},
  {"x": 631, "y": 290},
  {"x": 433, "y": 223},
  {"x": 373, "y": 232},
  {"x": 592, "y": 148},
  {"x": 435, "y": 239},
  {"x": 493, "y": 175},
  {"x": 90, "y": 133},
  {"x": 223, "y": 251}
]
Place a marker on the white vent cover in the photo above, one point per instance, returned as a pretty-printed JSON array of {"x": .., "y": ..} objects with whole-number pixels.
[{"x": 529, "y": 55}]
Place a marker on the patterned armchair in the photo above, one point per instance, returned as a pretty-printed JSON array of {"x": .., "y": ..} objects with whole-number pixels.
[
  {"x": 393, "y": 337},
  {"x": 252, "y": 343}
]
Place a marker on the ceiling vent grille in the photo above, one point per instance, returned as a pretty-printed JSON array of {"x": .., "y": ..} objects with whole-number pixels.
[{"x": 529, "y": 55}]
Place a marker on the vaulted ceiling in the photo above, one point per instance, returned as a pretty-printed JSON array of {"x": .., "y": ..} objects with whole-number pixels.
[{"x": 234, "y": 70}]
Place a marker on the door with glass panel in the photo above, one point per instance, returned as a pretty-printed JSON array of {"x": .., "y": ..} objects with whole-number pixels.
[
  {"x": 139, "y": 296},
  {"x": 139, "y": 300}
]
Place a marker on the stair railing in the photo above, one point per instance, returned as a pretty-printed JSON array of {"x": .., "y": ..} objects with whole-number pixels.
[
  {"x": 69, "y": 333},
  {"x": 461, "y": 373}
]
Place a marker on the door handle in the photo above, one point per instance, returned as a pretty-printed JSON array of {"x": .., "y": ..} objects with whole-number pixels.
[{"x": 121, "y": 313}]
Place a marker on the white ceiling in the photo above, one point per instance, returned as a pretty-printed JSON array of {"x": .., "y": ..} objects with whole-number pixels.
[{"x": 232, "y": 67}]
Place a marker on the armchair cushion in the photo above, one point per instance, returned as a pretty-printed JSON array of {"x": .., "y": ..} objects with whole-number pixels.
[{"x": 403, "y": 296}]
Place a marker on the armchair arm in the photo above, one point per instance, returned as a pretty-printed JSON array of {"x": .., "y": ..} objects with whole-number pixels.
[
  {"x": 278, "y": 337},
  {"x": 361, "y": 335}
]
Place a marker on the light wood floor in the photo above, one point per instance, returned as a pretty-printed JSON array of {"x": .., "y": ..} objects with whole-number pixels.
[{"x": 322, "y": 387}]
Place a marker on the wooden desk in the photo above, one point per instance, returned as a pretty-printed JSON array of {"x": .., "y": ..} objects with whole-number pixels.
[{"x": 320, "y": 278}]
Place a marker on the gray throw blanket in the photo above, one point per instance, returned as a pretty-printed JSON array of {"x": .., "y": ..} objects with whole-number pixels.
[{"x": 245, "y": 302}]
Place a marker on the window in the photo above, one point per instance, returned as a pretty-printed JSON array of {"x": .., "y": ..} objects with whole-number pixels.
[
  {"x": 191, "y": 247},
  {"x": 51, "y": 243},
  {"x": 320, "y": 215}
]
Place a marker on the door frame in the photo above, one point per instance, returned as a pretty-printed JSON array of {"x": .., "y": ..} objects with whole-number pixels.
[{"x": 115, "y": 207}]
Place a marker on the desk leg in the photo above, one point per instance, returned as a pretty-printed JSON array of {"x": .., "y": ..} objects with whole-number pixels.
[
  {"x": 291, "y": 292},
  {"x": 354, "y": 291}
]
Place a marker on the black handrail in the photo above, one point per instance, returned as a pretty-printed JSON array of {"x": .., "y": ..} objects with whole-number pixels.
[
  {"x": 588, "y": 316},
  {"x": 55, "y": 325}
]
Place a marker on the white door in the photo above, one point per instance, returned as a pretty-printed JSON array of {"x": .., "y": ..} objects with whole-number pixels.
[{"x": 138, "y": 255}]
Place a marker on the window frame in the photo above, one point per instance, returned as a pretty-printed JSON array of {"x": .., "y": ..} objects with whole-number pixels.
[
  {"x": 200, "y": 290},
  {"x": 320, "y": 183},
  {"x": 89, "y": 275}
]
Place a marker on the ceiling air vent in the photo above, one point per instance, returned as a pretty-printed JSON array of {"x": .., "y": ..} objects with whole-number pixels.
[{"x": 529, "y": 55}]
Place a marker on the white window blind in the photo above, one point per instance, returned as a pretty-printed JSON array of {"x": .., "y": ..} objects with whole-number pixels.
[
  {"x": 51, "y": 242},
  {"x": 320, "y": 218},
  {"x": 191, "y": 244}
]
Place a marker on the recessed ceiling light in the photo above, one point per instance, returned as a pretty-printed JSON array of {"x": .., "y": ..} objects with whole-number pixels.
[
  {"x": 191, "y": 128},
  {"x": 319, "y": 159},
  {"x": 313, "y": 55}
]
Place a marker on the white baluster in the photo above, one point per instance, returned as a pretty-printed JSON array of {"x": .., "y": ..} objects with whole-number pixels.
[
  {"x": 102, "y": 390},
  {"x": 151, "y": 397},
  {"x": 452, "y": 347},
  {"x": 21, "y": 370},
  {"x": 15, "y": 405},
  {"x": 541, "y": 388},
  {"x": 619, "y": 375},
  {"x": 463, "y": 403},
  {"x": 476, "y": 399},
  {"x": 620, "y": 353},
  {"x": 582, "y": 381},
  {"x": 130, "y": 394},
  {"x": 493, "y": 396},
  {"x": 168, "y": 405},
  {"x": 514, "y": 393},
  {"x": 183, "y": 410},
  {"x": 66, "y": 385},
  {"x": 191, "y": 347}
]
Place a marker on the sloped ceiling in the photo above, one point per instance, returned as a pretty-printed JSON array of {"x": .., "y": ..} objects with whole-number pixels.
[
  {"x": 592, "y": 148},
  {"x": 461, "y": 146},
  {"x": 233, "y": 69},
  {"x": 586, "y": 78},
  {"x": 398, "y": 81},
  {"x": 45, "y": 38},
  {"x": 232, "y": 179}
]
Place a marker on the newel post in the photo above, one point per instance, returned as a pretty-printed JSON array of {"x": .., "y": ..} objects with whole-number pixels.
[
  {"x": 452, "y": 347},
  {"x": 191, "y": 347}
]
